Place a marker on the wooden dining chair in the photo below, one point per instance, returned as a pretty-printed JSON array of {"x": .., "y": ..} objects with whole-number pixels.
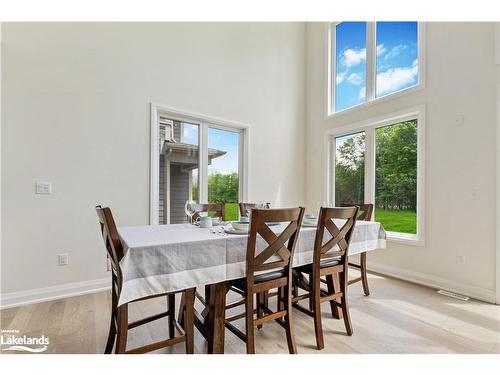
[
  {"x": 245, "y": 208},
  {"x": 365, "y": 213},
  {"x": 119, "y": 324},
  {"x": 218, "y": 208},
  {"x": 268, "y": 269},
  {"x": 330, "y": 259}
]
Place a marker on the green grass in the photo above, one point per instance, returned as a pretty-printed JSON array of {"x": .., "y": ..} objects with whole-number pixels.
[
  {"x": 397, "y": 221},
  {"x": 232, "y": 211}
]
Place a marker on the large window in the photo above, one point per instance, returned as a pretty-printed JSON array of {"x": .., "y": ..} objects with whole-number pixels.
[
  {"x": 382, "y": 163},
  {"x": 194, "y": 160},
  {"x": 370, "y": 60}
]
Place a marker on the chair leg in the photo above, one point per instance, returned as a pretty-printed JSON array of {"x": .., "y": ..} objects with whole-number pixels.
[
  {"x": 171, "y": 315},
  {"x": 332, "y": 288},
  {"x": 343, "y": 301},
  {"x": 364, "y": 276},
  {"x": 249, "y": 323},
  {"x": 260, "y": 301},
  {"x": 281, "y": 299},
  {"x": 265, "y": 298},
  {"x": 318, "y": 327},
  {"x": 189, "y": 319},
  {"x": 182, "y": 308},
  {"x": 121, "y": 337},
  {"x": 111, "y": 336},
  {"x": 290, "y": 333},
  {"x": 112, "y": 324},
  {"x": 337, "y": 288}
]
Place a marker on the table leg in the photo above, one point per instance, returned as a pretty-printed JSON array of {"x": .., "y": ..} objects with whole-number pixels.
[{"x": 216, "y": 318}]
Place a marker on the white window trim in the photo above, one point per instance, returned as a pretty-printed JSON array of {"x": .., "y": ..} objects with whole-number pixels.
[
  {"x": 371, "y": 75},
  {"x": 204, "y": 123},
  {"x": 368, "y": 127}
]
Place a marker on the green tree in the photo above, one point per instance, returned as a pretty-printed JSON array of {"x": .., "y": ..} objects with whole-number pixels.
[
  {"x": 223, "y": 188},
  {"x": 350, "y": 170},
  {"x": 396, "y": 166}
]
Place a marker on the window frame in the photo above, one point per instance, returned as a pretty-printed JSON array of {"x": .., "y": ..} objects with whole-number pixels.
[
  {"x": 204, "y": 122},
  {"x": 369, "y": 127},
  {"x": 371, "y": 71}
]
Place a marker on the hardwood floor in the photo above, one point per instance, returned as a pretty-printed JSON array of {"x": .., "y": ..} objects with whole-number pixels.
[{"x": 398, "y": 317}]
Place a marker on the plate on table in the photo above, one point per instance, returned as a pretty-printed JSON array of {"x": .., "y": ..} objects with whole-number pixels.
[
  {"x": 229, "y": 229},
  {"x": 272, "y": 224},
  {"x": 310, "y": 223}
]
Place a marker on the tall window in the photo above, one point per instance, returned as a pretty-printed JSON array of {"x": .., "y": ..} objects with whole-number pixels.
[
  {"x": 350, "y": 168},
  {"x": 382, "y": 163},
  {"x": 194, "y": 160},
  {"x": 350, "y": 71},
  {"x": 396, "y": 176},
  {"x": 397, "y": 56},
  {"x": 178, "y": 168},
  {"x": 372, "y": 59},
  {"x": 223, "y": 167}
]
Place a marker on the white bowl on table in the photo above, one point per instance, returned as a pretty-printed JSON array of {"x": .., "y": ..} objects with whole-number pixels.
[{"x": 241, "y": 226}]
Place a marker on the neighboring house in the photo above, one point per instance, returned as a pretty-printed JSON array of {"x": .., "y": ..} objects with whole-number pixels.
[{"x": 178, "y": 168}]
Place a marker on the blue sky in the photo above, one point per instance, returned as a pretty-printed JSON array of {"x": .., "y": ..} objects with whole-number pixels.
[
  {"x": 397, "y": 60},
  {"x": 217, "y": 139},
  {"x": 226, "y": 141}
]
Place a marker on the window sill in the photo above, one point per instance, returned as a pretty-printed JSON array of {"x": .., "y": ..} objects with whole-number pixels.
[
  {"x": 405, "y": 238},
  {"x": 382, "y": 99}
]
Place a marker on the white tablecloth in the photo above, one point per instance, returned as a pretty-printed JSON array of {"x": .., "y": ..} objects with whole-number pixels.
[{"x": 167, "y": 258}]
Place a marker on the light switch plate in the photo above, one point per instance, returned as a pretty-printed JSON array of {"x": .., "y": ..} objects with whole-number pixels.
[
  {"x": 43, "y": 188},
  {"x": 63, "y": 259}
]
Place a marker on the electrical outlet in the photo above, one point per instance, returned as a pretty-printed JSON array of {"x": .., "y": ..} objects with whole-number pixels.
[
  {"x": 459, "y": 119},
  {"x": 461, "y": 259},
  {"x": 63, "y": 259}
]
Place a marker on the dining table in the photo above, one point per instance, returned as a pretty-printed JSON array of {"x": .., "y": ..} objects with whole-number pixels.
[{"x": 173, "y": 257}]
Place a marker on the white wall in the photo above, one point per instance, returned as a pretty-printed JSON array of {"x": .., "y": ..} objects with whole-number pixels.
[
  {"x": 460, "y": 166},
  {"x": 76, "y": 101},
  {"x": 497, "y": 42}
]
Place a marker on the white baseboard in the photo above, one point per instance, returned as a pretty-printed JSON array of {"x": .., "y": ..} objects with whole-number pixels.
[
  {"x": 27, "y": 297},
  {"x": 482, "y": 294}
]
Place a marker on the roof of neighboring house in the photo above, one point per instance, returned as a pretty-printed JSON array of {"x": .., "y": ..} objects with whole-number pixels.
[
  {"x": 187, "y": 154},
  {"x": 187, "y": 148}
]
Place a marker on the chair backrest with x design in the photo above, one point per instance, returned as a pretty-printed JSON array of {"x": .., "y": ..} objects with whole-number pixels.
[
  {"x": 338, "y": 245},
  {"x": 245, "y": 207},
  {"x": 365, "y": 210},
  {"x": 218, "y": 208},
  {"x": 112, "y": 242},
  {"x": 280, "y": 247}
]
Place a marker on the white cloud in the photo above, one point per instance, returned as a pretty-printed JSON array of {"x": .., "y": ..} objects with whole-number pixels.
[
  {"x": 381, "y": 50},
  {"x": 395, "y": 78},
  {"x": 352, "y": 57},
  {"x": 362, "y": 93},
  {"x": 395, "y": 51},
  {"x": 340, "y": 77},
  {"x": 355, "y": 78}
]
